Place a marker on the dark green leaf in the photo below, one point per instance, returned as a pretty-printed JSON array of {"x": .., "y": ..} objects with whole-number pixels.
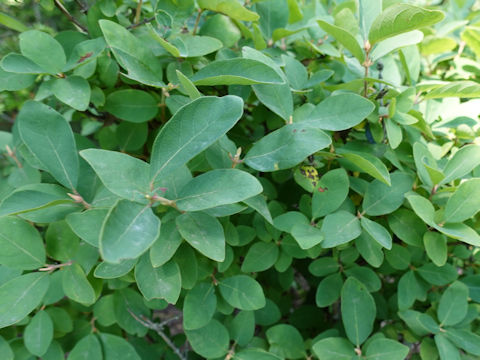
[{"x": 358, "y": 311}]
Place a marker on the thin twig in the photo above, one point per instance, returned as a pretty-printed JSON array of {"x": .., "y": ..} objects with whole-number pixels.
[
  {"x": 79, "y": 199},
  {"x": 158, "y": 328},
  {"x": 83, "y": 7},
  {"x": 366, "y": 64},
  {"x": 197, "y": 20},
  {"x": 13, "y": 156},
  {"x": 59, "y": 5},
  {"x": 138, "y": 12},
  {"x": 140, "y": 23},
  {"x": 51, "y": 267}
]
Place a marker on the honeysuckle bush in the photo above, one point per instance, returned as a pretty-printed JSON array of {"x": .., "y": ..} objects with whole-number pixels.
[{"x": 269, "y": 180}]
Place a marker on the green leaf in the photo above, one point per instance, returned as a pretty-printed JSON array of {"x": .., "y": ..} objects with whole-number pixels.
[
  {"x": 436, "y": 247},
  {"x": 395, "y": 43},
  {"x": 242, "y": 292},
  {"x": 306, "y": 235},
  {"x": 230, "y": 8},
  {"x": 461, "y": 163},
  {"x": 260, "y": 205},
  {"x": 5, "y": 350},
  {"x": 242, "y": 327},
  {"x": 116, "y": 347},
  {"x": 16, "y": 63},
  {"x": 191, "y": 130},
  {"x": 334, "y": 348},
  {"x": 438, "y": 275},
  {"x": 106, "y": 270},
  {"x": 453, "y": 304},
  {"x": 329, "y": 290},
  {"x": 38, "y": 333},
  {"x": 367, "y": 163},
  {"x": 204, "y": 233},
  {"x": 217, "y": 187},
  {"x": 49, "y": 137},
  {"x": 21, "y": 244},
  {"x": 131, "y": 136},
  {"x": 255, "y": 354},
  {"x": 287, "y": 340},
  {"x": 13, "y": 82},
  {"x": 463, "y": 89},
  {"x": 87, "y": 224},
  {"x": 236, "y": 71},
  {"x": 87, "y": 348},
  {"x": 85, "y": 52},
  {"x": 19, "y": 296},
  {"x": 132, "y": 54},
  {"x": 185, "y": 45},
  {"x": 199, "y": 306},
  {"x": 73, "y": 91},
  {"x": 277, "y": 98},
  {"x": 341, "y": 112},
  {"x": 340, "y": 227},
  {"x": 446, "y": 349},
  {"x": 128, "y": 231},
  {"x": 358, "y": 311},
  {"x": 377, "y": 232},
  {"x": 401, "y": 18},
  {"x": 464, "y": 339},
  {"x": 210, "y": 341},
  {"x": 381, "y": 199},
  {"x": 423, "y": 208},
  {"x": 132, "y": 105},
  {"x": 286, "y": 147},
  {"x": 123, "y": 175},
  {"x": 421, "y": 324},
  {"x": 260, "y": 257},
  {"x": 398, "y": 257},
  {"x": 43, "y": 50},
  {"x": 473, "y": 283},
  {"x": 323, "y": 266},
  {"x": 30, "y": 198},
  {"x": 409, "y": 290},
  {"x": 166, "y": 244},
  {"x": 76, "y": 286},
  {"x": 436, "y": 45},
  {"x": 163, "y": 282},
  {"x": 335, "y": 186},
  {"x": 12, "y": 23},
  {"x": 345, "y": 38},
  {"x": 380, "y": 349},
  {"x": 369, "y": 249},
  {"x": 460, "y": 232},
  {"x": 188, "y": 86},
  {"x": 471, "y": 36},
  {"x": 464, "y": 202}
]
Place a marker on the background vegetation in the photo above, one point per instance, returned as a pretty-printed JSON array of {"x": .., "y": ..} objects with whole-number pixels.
[{"x": 276, "y": 179}]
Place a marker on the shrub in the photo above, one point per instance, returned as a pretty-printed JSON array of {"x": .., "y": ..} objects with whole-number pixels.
[{"x": 277, "y": 180}]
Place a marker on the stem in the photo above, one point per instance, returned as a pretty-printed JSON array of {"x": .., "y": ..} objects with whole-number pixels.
[
  {"x": 366, "y": 64},
  {"x": 83, "y": 7},
  {"x": 158, "y": 328},
  {"x": 236, "y": 159},
  {"x": 13, "y": 156},
  {"x": 59, "y": 5},
  {"x": 51, "y": 267},
  {"x": 138, "y": 11},
  {"x": 79, "y": 199},
  {"x": 197, "y": 20},
  {"x": 143, "y": 22}
]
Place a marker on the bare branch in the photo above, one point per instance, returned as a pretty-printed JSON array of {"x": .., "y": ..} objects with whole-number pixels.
[
  {"x": 59, "y": 5},
  {"x": 158, "y": 328}
]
